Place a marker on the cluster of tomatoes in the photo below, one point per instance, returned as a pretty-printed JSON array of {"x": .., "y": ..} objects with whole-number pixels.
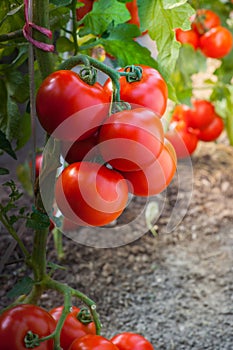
[
  {"x": 22, "y": 327},
  {"x": 191, "y": 124},
  {"x": 108, "y": 156},
  {"x": 207, "y": 34}
]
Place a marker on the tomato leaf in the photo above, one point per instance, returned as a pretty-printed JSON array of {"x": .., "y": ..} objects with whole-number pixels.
[
  {"x": 102, "y": 14},
  {"x": 60, "y": 3},
  {"x": 160, "y": 18},
  {"x": 23, "y": 172},
  {"x": 6, "y": 146},
  {"x": 4, "y": 171},
  {"x": 38, "y": 220},
  {"x": 24, "y": 286}
]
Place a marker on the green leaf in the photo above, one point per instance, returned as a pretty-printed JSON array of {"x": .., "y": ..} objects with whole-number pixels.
[
  {"x": 23, "y": 287},
  {"x": 102, "y": 15},
  {"x": 59, "y": 3},
  {"x": 59, "y": 17},
  {"x": 38, "y": 220},
  {"x": 23, "y": 172},
  {"x": 160, "y": 18},
  {"x": 6, "y": 146},
  {"x": 63, "y": 44},
  {"x": 18, "y": 85},
  {"x": 24, "y": 132},
  {"x": 4, "y": 171}
]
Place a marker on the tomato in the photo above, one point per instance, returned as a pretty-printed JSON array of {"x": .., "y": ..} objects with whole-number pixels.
[
  {"x": 156, "y": 177},
  {"x": 79, "y": 150},
  {"x": 39, "y": 160},
  {"x": 151, "y": 91},
  {"x": 201, "y": 115},
  {"x": 16, "y": 322},
  {"x": 64, "y": 94},
  {"x": 204, "y": 20},
  {"x": 131, "y": 139},
  {"x": 82, "y": 11},
  {"x": 179, "y": 112},
  {"x": 90, "y": 194},
  {"x": 131, "y": 341},
  {"x": 72, "y": 328},
  {"x": 133, "y": 9},
  {"x": 216, "y": 43},
  {"x": 187, "y": 37},
  {"x": 92, "y": 342},
  {"x": 183, "y": 141},
  {"x": 213, "y": 130}
]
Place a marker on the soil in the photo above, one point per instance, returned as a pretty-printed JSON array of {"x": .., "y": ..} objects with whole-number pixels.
[{"x": 175, "y": 288}]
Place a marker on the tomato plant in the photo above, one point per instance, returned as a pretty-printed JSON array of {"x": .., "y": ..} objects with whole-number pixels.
[
  {"x": 131, "y": 341},
  {"x": 58, "y": 98},
  {"x": 18, "y": 321},
  {"x": 72, "y": 328},
  {"x": 91, "y": 194},
  {"x": 155, "y": 178},
  {"x": 92, "y": 342},
  {"x": 217, "y": 42},
  {"x": 149, "y": 91},
  {"x": 131, "y": 139}
]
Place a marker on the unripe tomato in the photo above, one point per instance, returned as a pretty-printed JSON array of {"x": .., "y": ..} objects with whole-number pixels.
[
  {"x": 69, "y": 107},
  {"x": 151, "y": 91},
  {"x": 204, "y": 20},
  {"x": 183, "y": 141},
  {"x": 131, "y": 341},
  {"x": 157, "y": 176},
  {"x": 216, "y": 43},
  {"x": 89, "y": 194},
  {"x": 72, "y": 328},
  {"x": 132, "y": 139},
  {"x": 187, "y": 37},
  {"x": 213, "y": 130}
]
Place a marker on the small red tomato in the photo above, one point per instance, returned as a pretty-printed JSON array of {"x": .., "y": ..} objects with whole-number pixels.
[
  {"x": 16, "y": 322},
  {"x": 150, "y": 92},
  {"x": 79, "y": 150},
  {"x": 131, "y": 139},
  {"x": 72, "y": 328},
  {"x": 187, "y": 37},
  {"x": 183, "y": 141},
  {"x": 92, "y": 342},
  {"x": 201, "y": 115},
  {"x": 204, "y": 20},
  {"x": 82, "y": 11},
  {"x": 89, "y": 194},
  {"x": 131, "y": 341},
  {"x": 213, "y": 130},
  {"x": 157, "y": 176},
  {"x": 217, "y": 42}
]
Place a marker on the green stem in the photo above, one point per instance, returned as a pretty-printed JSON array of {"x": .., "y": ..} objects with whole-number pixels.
[
  {"x": 12, "y": 35},
  {"x": 57, "y": 237},
  {"x": 74, "y": 26}
]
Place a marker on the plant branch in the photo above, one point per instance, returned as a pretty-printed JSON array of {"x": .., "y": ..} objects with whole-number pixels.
[{"x": 11, "y": 36}]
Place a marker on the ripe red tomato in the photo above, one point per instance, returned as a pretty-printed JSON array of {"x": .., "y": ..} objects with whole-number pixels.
[
  {"x": 64, "y": 94},
  {"x": 79, "y": 150},
  {"x": 72, "y": 328},
  {"x": 204, "y": 20},
  {"x": 92, "y": 342},
  {"x": 132, "y": 139},
  {"x": 183, "y": 141},
  {"x": 217, "y": 42},
  {"x": 151, "y": 91},
  {"x": 187, "y": 37},
  {"x": 90, "y": 194},
  {"x": 39, "y": 160},
  {"x": 179, "y": 113},
  {"x": 201, "y": 115},
  {"x": 82, "y": 11},
  {"x": 213, "y": 130},
  {"x": 131, "y": 341},
  {"x": 16, "y": 322},
  {"x": 156, "y": 177},
  {"x": 133, "y": 9}
]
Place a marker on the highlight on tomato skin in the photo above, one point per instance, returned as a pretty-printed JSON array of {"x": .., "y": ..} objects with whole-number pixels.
[
  {"x": 131, "y": 341},
  {"x": 90, "y": 194}
]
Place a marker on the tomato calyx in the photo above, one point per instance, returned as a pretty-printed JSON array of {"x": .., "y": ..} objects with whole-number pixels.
[
  {"x": 84, "y": 316},
  {"x": 31, "y": 340},
  {"x": 88, "y": 74},
  {"x": 132, "y": 73}
]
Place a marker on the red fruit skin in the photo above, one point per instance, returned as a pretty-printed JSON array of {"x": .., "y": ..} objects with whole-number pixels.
[
  {"x": 216, "y": 43},
  {"x": 200, "y": 115},
  {"x": 212, "y": 131},
  {"x": 204, "y": 20},
  {"x": 131, "y": 341},
  {"x": 187, "y": 37}
]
